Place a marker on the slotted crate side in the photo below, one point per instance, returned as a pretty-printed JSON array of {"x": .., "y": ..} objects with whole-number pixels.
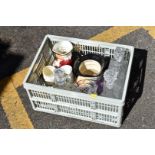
[
  {"x": 77, "y": 113},
  {"x": 47, "y": 102},
  {"x": 53, "y": 106},
  {"x": 72, "y": 101}
]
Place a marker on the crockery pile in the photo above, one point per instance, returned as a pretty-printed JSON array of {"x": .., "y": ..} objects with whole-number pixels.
[{"x": 86, "y": 72}]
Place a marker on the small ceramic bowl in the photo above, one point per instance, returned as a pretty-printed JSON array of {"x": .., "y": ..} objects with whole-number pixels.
[
  {"x": 48, "y": 74},
  {"x": 90, "y": 65}
]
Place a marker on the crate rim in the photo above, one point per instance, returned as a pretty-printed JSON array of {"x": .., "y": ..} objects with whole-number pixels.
[{"x": 90, "y": 41}]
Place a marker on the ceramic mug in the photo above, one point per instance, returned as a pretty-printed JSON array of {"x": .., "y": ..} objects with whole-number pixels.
[{"x": 63, "y": 53}]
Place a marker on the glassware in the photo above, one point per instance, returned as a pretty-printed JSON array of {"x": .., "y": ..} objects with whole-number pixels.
[
  {"x": 119, "y": 53},
  {"x": 110, "y": 76},
  {"x": 115, "y": 65},
  {"x": 60, "y": 78}
]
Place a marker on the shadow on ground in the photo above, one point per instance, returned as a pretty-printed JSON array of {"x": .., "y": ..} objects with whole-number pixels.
[
  {"x": 8, "y": 62},
  {"x": 136, "y": 82}
]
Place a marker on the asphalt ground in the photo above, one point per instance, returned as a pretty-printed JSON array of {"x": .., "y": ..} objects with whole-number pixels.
[{"x": 18, "y": 46}]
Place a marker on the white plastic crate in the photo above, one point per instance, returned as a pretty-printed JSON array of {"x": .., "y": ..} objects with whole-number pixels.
[{"x": 99, "y": 109}]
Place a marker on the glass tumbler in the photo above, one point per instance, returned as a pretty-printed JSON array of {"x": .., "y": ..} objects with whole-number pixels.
[{"x": 60, "y": 78}]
